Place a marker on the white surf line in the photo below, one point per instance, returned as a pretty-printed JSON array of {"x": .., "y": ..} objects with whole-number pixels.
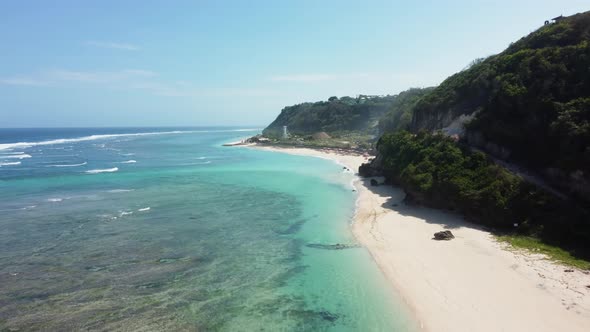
[
  {"x": 8, "y": 146},
  {"x": 105, "y": 170},
  {"x": 71, "y": 165}
]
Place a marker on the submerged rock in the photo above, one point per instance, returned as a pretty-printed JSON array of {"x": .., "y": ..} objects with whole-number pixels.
[
  {"x": 314, "y": 315},
  {"x": 443, "y": 235},
  {"x": 166, "y": 260},
  {"x": 374, "y": 182},
  {"x": 291, "y": 229},
  {"x": 151, "y": 285},
  {"x": 326, "y": 315},
  {"x": 337, "y": 246},
  {"x": 95, "y": 268}
]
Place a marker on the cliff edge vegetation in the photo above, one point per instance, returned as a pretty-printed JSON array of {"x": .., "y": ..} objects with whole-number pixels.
[
  {"x": 436, "y": 171},
  {"x": 346, "y": 122},
  {"x": 529, "y": 104}
]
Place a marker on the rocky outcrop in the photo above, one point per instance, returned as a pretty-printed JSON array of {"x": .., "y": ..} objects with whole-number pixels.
[
  {"x": 443, "y": 235},
  {"x": 477, "y": 140},
  {"x": 574, "y": 183},
  {"x": 557, "y": 181},
  {"x": 372, "y": 168},
  {"x": 257, "y": 139},
  {"x": 320, "y": 136}
]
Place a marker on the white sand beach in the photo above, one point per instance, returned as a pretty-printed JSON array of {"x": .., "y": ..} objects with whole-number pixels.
[{"x": 471, "y": 283}]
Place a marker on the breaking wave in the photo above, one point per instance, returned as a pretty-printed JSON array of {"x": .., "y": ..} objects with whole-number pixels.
[
  {"x": 106, "y": 170},
  {"x": 15, "y": 156},
  {"x": 8, "y": 146},
  {"x": 71, "y": 165},
  {"x": 14, "y": 163},
  {"x": 114, "y": 191}
]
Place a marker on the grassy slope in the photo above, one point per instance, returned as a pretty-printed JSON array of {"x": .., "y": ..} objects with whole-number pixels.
[{"x": 554, "y": 253}]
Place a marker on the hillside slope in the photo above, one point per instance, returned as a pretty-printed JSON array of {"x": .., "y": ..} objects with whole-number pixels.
[
  {"x": 436, "y": 171},
  {"x": 335, "y": 115},
  {"x": 368, "y": 115},
  {"x": 530, "y": 103}
]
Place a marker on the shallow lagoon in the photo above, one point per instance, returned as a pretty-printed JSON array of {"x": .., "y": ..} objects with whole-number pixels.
[{"x": 229, "y": 241}]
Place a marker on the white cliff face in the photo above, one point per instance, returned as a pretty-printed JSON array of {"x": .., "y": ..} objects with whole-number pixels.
[{"x": 457, "y": 126}]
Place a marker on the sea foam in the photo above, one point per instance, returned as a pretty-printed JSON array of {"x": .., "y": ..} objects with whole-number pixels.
[
  {"x": 106, "y": 170},
  {"x": 14, "y": 163},
  {"x": 8, "y": 146},
  {"x": 128, "y": 162},
  {"x": 15, "y": 156},
  {"x": 114, "y": 191},
  {"x": 71, "y": 165}
]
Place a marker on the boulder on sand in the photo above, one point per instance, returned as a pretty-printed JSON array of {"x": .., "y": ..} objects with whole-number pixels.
[{"x": 443, "y": 235}]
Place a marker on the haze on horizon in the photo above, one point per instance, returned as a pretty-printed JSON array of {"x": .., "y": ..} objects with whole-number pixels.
[{"x": 69, "y": 63}]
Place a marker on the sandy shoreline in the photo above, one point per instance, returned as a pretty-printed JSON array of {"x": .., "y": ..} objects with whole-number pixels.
[{"x": 471, "y": 283}]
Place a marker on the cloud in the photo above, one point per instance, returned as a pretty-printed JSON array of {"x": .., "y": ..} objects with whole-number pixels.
[
  {"x": 161, "y": 89},
  {"x": 140, "y": 72},
  {"x": 240, "y": 92},
  {"x": 183, "y": 89},
  {"x": 304, "y": 78},
  {"x": 130, "y": 79},
  {"x": 97, "y": 76},
  {"x": 112, "y": 45},
  {"x": 316, "y": 77},
  {"x": 56, "y": 76},
  {"x": 23, "y": 81}
]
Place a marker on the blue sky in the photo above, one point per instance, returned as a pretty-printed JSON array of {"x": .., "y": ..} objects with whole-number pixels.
[{"x": 168, "y": 63}]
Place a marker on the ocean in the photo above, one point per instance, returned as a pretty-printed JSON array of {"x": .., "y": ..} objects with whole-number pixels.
[{"x": 165, "y": 229}]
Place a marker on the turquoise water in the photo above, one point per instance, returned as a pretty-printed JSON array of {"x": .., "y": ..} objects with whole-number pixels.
[{"x": 171, "y": 231}]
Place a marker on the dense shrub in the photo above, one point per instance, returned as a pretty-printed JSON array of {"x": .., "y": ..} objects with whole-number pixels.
[
  {"x": 364, "y": 115},
  {"x": 399, "y": 115},
  {"x": 334, "y": 115},
  {"x": 436, "y": 171},
  {"x": 532, "y": 99}
]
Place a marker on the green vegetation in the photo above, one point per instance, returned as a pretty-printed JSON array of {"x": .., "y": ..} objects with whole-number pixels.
[
  {"x": 399, "y": 116},
  {"x": 353, "y": 123},
  {"x": 529, "y": 105},
  {"x": 436, "y": 171},
  {"x": 536, "y": 246},
  {"x": 533, "y": 99},
  {"x": 335, "y": 115},
  {"x": 532, "y": 106},
  {"x": 338, "y": 140}
]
